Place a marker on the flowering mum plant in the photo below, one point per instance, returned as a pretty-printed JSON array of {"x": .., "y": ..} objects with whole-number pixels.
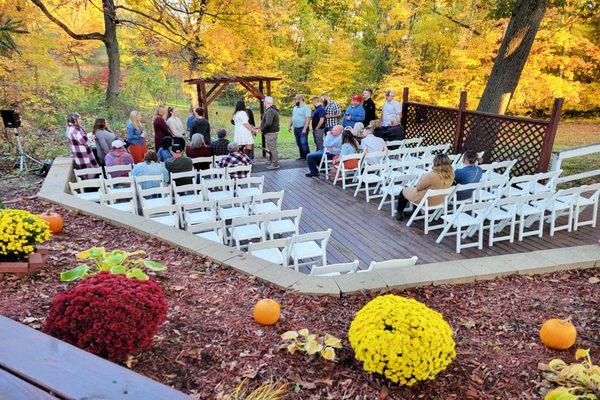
[
  {"x": 401, "y": 339},
  {"x": 311, "y": 344},
  {"x": 108, "y": 315},
  {"x": 20, "y": 233},
  {"x": 116, "y": 262}
]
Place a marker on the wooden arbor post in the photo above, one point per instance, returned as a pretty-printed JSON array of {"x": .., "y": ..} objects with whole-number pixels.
[
  {"x": 458, "y": 137},
  {"x": 550, "y": 135}
]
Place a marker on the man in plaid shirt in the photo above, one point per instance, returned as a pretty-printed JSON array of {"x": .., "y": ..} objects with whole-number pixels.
[
  {"x": 235, "y": 158},
  {"x": 332, "y": 112},
  {"x": 80, "y": 143}
]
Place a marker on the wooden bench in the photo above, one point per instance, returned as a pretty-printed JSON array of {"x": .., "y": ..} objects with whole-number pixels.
[{"x": 34, "y": 365}]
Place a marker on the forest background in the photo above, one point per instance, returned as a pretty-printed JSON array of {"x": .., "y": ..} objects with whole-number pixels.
[{"x": 436, "y": 48}]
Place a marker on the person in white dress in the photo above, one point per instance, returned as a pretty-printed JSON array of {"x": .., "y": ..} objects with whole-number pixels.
[
  {"x": 176, "y": 125},
  {"x": 243, "y": 132}
]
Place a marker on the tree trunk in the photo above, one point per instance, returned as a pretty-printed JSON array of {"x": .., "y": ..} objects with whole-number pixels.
[
  {"x": 512, "y": 55},
  {"x": 112, "y": 51}
]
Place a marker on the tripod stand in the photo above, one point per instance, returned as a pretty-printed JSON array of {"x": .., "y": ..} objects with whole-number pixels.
[{"x": 23, "y": 157}]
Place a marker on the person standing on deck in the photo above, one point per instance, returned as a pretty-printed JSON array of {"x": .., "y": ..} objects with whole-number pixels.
[
  {"x": 391, "y": 113},
  {"x": 318, "y": 122},
  {"x": 369, "y": 106},
  {"x": 333, "y": 112},
  {"x": 300, "y": 121},
  {"x": 270, "y": 128}
]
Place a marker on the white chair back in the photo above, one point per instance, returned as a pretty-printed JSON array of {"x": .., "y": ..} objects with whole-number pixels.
[
  {"x": 335, "y": 269},
  {"x": 117, "y": 168},
  {"x": 391, "y": 264},
  {"x": 88, "y": 173}
]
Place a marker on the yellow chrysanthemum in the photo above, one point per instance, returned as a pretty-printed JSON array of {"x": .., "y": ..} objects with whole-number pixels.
[
  {"x": 401, "y": 339},
  {"x": 20, "y": 231}
]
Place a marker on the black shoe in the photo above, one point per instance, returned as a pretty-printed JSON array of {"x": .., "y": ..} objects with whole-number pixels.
[
  {"x": 311, "y": 175},
  {"x": 399, "y": 216}
]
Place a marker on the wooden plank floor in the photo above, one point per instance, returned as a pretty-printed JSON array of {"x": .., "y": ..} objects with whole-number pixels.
[{"x": 362, "y": 232}]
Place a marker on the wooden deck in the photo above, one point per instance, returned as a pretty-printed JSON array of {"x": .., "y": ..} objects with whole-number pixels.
[{"x": 362, "y": 232}]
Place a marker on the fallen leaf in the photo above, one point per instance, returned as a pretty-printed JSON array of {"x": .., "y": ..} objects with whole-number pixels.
[{"x": 593, "y": 280}]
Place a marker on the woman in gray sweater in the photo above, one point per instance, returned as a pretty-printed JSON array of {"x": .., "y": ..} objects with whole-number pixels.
[{"x": 104, "y": 138}]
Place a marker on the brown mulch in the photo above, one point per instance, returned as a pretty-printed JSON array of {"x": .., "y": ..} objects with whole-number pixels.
[{"x": 210, "y": 342}]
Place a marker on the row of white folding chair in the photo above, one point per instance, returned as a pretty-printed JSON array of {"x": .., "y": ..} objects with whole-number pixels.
[
  {"x": 352, "y": 267},
  {"x": 297, "y": 248},
  {"x": 404, "y": 143},
  {"x": 100, "y": 172},
  {"x": 497, "y": 169},
  {"x": 252, "y": 227},
  {"x": 458, "y": 160},
  {"x": 417, "y": 152},
  {"x": 212, "y": 160},
  {"x": 93, "y": 189}
]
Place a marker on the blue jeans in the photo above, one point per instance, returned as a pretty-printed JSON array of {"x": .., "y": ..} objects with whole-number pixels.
[
  {"x": 302, "y": 142},
  {"x": 313, "y": 159}
]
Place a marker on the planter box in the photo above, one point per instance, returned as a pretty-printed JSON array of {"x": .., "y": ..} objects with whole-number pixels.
[{"x": 34, "y": 263}]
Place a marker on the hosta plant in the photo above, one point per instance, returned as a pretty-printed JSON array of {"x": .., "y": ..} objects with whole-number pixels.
[
  {"x": 311, "y": 344},
  {"x": 575, "y": 381},
  {"x": 117, "y": 262}
]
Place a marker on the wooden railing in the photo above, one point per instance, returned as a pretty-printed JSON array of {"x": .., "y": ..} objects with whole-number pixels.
[
  {"x": 502, "y": 137},
  {"x": 559, "y": 156}
]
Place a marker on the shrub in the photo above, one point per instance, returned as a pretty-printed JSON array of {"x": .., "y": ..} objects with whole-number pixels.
[
  {"x": 20, "y": 233},
  {"x": 108, "y": 315},
  {"x": 401, "y": 339}
]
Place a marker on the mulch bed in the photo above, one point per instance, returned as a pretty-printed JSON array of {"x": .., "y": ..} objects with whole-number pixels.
[{"x": 210, "y": 342}]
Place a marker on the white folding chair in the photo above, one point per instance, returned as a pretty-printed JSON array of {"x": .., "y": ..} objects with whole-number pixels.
[
  {"x": 561, "y": 203},
  {"x": 492, "y": 189},
  {"x": 203, "y": 160},
  {"x": 217, "y": 189},
  {"x": 119, "y": 184},
  {"x": 375, "y": 157},
  {"x": 393, "y": 143},
  {"x": 307, "y": 246},
  {"x": 267, "y": 202},
  {"x": 233, "y": 207},
  {"x": 166, "y": 215},
  {"x": 528, "y": 212},
  {"x": 154, "y": 180},
  {"x": 495, "y": 170},
  {"x": 188, "y": 177},
  {"x": 535, "y": 184},
  {"x": 348, "y": 173},
  {"x": 502, "y": 214},
  {"x": 87, "y": 189},
  {"x": 190, "y": 193},
  {"x": 247, "y": 228},
  {"x": 198, "y": 213},
  {"x": 213, "y": 231},
  {"x": 212, "y": 175},
  {"x": 393, "y": 189},
  {"x": 240, "y": 169},
  {"x": 412, "y": 142},
  {"x": 425, "y": 206},
  {"x": 122, "y": 201},
  {"x": 250, "y": 186},
  {"x": 217, "y": 160},
  {"x": 326, "y": 163},
  {"x": 121, "y": 170},
  {"x": 283, "y": 222},
  {"x": 275, "y": 251},
  {"x": 371, "y": 175},
  {"x": 583, "y": 202},
  {"x": 469, "y": 217},
  {"x": 154, "y": 197},
  {"x": 87, "y": 174},
  {"x": 391, "y": 264},
  {"x": 334, "y": 269},
  {"x": 456, "y": 160}
]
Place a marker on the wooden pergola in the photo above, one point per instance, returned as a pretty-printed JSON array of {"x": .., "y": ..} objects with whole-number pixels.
[{"x": 219, "y": 83}]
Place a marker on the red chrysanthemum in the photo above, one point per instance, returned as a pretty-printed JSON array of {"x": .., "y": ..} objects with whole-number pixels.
[{"x": 108, "y": 315}]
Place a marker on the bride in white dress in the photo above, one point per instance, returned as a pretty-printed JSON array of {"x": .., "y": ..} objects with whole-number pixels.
[{"x": 243, "y": 132}]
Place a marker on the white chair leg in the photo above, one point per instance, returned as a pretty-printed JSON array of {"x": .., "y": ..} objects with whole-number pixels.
[
  {"x": 480, "y": 239},
  {"x": 491, "y": 234},
  {"x": 552, "y": 222},
  {"x": 512, "y": 229},
  {"x": 412, "y": 217},
  {"x": 458, "y": 235},
  {"x": 357, "y": 189},
  {"x": 541, "y": 221},
  {"x": 570, "y": 223},
  {"x": 367, "y": 191},
  {"x": 426, "y": 221}
]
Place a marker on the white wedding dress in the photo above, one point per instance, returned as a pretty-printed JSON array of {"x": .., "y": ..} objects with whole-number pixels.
[{"x": 241, "y": 134}]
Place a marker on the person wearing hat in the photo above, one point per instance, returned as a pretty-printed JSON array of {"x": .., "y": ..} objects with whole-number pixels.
[
  {"x": 391, "y": 113},
  {"x": 269, "y": 126},
  {"x": 354, "y": 113},
  {"x": 369, "y": 106},
  {"x": 118, "y": 156},
  {"x": 331, "y": 146},
  {"x": 179, "y": 163},
  {"x": 219, "y": 146},
  {"x": 301, "y": 114}
]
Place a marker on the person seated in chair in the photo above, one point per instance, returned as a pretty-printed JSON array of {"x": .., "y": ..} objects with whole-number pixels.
[
  {"x": 470, "y": 173},
  {"x": 150, "y": 166},
  {"x": 395, "y": 132},
  {"x": 118, "y": 156},
  {"x": 235, "y": 158},
  {"x": 441, "y": 176},
  {"x": 349, "y": 146},
  {"x": 180, "y": 163},
  {"x": 371, "y": 143},
  {"x": 331, "y": 146},
  {"x": 165, "y": 152}
]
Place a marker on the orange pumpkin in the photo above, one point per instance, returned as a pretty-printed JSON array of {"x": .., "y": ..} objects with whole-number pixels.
[
  {"x": 54, "y": 220},
  {"x": 267, "y": 312},
  {"x": 558, "y": 334}
]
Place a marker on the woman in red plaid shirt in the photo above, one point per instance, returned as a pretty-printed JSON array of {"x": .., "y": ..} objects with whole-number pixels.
[
  {"x": 79, "y": 141},
  {"x": 235, "y": 158}
]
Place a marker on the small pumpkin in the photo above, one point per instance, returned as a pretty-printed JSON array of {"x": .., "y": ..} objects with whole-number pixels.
[
  {"x": 54, "y": 220},
  {"x": 267, "y": 312},
  {"x": 558, "y": 334}
]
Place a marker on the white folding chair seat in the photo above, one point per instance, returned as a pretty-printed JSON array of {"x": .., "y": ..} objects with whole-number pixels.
[
  {"x": 582, "y": 202},
  {"x": 348, "y": 173},
  {"x": 186, "y": 194},
  {"x": 198, "y": 213},
  {"x": 438, "y": 209},
  {"x": 213, "y": 231},
  {"x": 393, "y": 189},
  {"x": 283, "y": 222},
  {"x": 247, "y": 169},
  {"x": 262, "y": 204},
  {"x": 335, "y": 269},
  {"x": 372, "y": 174},
  {"x": 306, "y": 246},
  {"x": 466, "y": 217},
  {"x": 78, "y": 189},
  {"x": 212, "y": 175},
  {"x": 155, "y": 197},
  {"x": 233, "y": 207},
  {"x": 122, "y": 201},
  {"x": 251, "y": 186},
  {"x": 223, "y": 190},
  {"x": 166, "y": 215},
  {"x": 528, "y": 212},
  {"x": 500, "y": 216},
  {"x": 275, "y": 251},
  {"x": 391, "y": 264},
  {"x": 247, "y": 228}
]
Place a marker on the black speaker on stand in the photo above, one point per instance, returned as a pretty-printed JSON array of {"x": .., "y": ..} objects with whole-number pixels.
[{"x": 12, "y": 120}]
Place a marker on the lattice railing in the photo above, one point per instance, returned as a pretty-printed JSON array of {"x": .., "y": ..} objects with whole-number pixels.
[{"x": 436, "y": 125}]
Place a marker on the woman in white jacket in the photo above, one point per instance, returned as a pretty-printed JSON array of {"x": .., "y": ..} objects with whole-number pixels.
[{"x": 176, "y": 125}]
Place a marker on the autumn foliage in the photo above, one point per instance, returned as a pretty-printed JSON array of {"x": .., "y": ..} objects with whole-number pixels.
[{"x": 108, "y": 315}]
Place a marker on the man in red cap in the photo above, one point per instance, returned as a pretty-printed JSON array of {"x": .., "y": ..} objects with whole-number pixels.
[{"x": 355, "y": 112}]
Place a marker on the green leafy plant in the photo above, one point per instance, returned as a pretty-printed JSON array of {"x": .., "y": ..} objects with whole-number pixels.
[
  {"x": 575, "y": 381},
  {"x": 311, "y": 344},
  {"x": 116, "y": 262}
]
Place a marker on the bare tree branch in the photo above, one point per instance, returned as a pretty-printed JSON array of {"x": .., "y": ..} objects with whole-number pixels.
[{"x": 64, "y": 27}]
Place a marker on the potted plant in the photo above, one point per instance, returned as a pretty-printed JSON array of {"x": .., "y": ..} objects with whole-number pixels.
[{"x": 21, "y": 233}]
